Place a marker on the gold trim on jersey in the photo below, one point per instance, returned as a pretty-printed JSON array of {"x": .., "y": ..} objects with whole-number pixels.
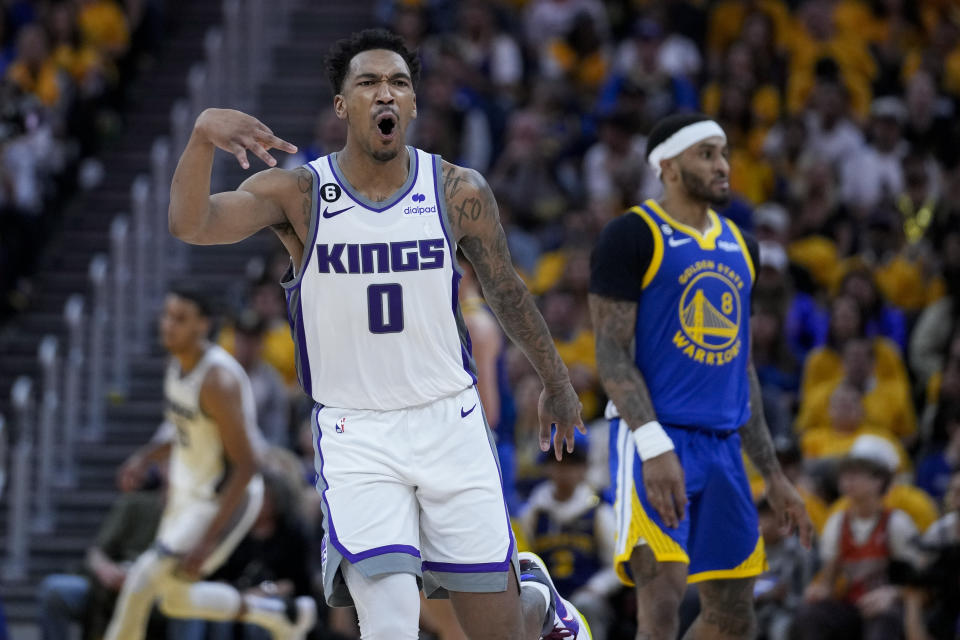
[
  {"x": 657, "y": 257},
  {"x": 743, "y": 247},
  {"x": 754, "y": 565},
  {"x": 706, "y": 240},
  {"x": 643, "y": 530}
]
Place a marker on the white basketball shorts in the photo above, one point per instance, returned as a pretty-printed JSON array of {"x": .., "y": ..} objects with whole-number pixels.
[
  {"x": 186, "y": 518},
  {"x": 416, "y": 491}
]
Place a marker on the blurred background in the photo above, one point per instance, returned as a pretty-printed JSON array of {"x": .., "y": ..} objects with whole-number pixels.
[{"x": 845, "y": 151}]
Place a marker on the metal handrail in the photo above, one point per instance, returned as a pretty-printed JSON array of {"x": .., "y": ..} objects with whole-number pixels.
[
  {"x": 120, "y": 272},
  {"x": 143, "y": 261},
  {"x": 4, "y": 450},
  {"x": 160, "y": 175},
  {"x": 98, "y": 320},
  {"x": 73, "y": 370},
  {"x": 15, "y": 567},
  {"x": 47, "y": 357}
]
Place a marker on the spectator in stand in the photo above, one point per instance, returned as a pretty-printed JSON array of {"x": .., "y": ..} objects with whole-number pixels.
[
  {"x": 941, "y": 544},
  {"x": 104, "y": 26},
  {"x": 549, "y": 19},
  {"x": 779, "y": 590},
  {"x": 875, "y": 173},
  {"x": 833, "y": 136},
  {"x": 34, "y": 71},
  {"x": 615, "y": 170},
  {"x": 580, "y": 56},
  {"x": 887, "y": 403},
  {"x": 266, "y": 298},
  {"x": 928, "y": 123},
  {"x": 935, "y": 326},
  {"x": 852, "y": 596},
  {"x": 829, "y": 441},
  {"x": 881, "y": 318},
  {"x": 824, "y": 364},
  {"x": 943, "y": 459},
  {"x": 269, "y": 391},
  {"x": 452, "y": 122},
  {"x": 567, "y": 524},
  {"x": 329, "y": 135},
  {"x": 492, "y": 55},
  {"x": 524, "y": 174},
  {"x": 641, "y": 63},
  {"x": 776, "y": 367},
  {"x": 815, "y": 39}
]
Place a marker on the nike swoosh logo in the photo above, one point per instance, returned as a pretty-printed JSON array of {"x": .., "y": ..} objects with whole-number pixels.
[
  {"x": 674, "y": 242},
  {"x": 464, "y": 414},
  {"x": 329, "y": 214}
]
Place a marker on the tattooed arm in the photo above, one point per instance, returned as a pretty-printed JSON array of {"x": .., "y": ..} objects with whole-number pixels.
[
  {"x": 266, "y": 199},
  {"x": 755, "y": 434},
  {"x": 475, "y": 219},
  {"x": 755, "y": 439},
  {"x": 614, "y": 323}
]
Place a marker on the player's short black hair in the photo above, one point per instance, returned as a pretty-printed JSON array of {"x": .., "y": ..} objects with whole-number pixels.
[
  {"x": 343, "y": 51},
  {"x": 669, "y": 126},
  {"x": 195, "y": 294}
]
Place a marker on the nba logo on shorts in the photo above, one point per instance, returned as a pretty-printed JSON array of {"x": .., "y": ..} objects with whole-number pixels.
[{"x": 341, "y": 426}]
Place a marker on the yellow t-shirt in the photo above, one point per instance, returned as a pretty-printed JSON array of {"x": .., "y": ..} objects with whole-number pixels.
[
  {"x": 44, "y": 84},
  {"x": 887, "y": 407},
  {"x": 824, "y": 442},
  {"x": 103, "y": 25},
  {"x": 824, "y": 365}
]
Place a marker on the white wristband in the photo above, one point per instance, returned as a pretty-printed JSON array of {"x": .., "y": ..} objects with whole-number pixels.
[{"x": 651, "y": 440}]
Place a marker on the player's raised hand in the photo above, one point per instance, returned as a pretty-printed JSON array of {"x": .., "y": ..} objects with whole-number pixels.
[
  {"x": 666, "y": 488},
  {"x": 559, "y": 406},
  {"x": 237, "y": 132}
]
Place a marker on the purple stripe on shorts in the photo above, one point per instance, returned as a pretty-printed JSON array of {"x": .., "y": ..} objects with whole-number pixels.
[{"x": 353, "y": 558}]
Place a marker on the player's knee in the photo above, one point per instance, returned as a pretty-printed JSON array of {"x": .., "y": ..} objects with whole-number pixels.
[
  {"x": 148, "y": 572},
  {"x": 388, "y": 606}
]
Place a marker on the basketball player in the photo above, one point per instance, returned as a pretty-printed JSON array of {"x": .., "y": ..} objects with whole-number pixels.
[
  {"x": 410, "y": 489},
  {"x": 214, "y": 490},
  {"x": 670, "y": 302}
]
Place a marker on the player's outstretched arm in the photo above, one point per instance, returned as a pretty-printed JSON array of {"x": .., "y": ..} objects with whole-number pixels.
[
  {"x": 756, "y": 441},
  {"x": 476, "y": 225},
  {"x": 614, "y": 323},
  {"x": 196, "y": 216}
]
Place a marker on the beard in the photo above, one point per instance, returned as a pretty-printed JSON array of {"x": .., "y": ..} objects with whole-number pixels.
[
  {"x": 384, "y": 155},
  {"x": 700, "y": 190}
]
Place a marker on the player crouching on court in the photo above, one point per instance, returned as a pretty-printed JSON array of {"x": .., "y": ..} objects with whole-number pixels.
[{"x": 214, "y": 490}]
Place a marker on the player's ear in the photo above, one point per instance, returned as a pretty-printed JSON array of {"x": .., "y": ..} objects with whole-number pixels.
[
  {"x": 668, "y": 168},
  {"x": 413, "y": 114},
  {"x": 340, "y": 106}
]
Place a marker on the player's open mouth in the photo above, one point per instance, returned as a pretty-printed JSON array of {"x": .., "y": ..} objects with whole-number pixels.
[{"x": 387, "y": 124}]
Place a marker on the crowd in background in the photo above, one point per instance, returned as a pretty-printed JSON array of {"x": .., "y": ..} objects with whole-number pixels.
[
  {"x": 844, "y": 137},
  {"x": 65, "y": 68}
]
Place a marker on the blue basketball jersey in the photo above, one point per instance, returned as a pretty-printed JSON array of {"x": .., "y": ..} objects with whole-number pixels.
[{"x": 692, "y": 334}]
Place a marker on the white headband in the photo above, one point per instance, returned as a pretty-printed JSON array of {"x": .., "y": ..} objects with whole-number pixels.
[{"x": 682, "y": 140}]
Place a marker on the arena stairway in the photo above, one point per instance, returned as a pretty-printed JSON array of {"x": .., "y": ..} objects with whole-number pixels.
[{"x": 288, "y": 100}]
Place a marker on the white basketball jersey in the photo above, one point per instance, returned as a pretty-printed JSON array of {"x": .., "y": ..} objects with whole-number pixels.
[
  {"x": 198, "y": 462},
  {"x": 373, "y": 307}
]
